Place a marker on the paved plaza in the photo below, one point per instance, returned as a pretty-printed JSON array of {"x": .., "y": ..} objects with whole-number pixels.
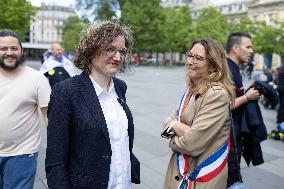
[{"x": 153, "y": 92}]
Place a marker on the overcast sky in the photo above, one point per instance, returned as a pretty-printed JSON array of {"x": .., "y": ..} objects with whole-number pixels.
[{"x": 56, "y": 2}]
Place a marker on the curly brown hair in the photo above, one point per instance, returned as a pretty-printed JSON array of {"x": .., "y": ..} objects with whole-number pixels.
[{"x": 99, "y": 37}]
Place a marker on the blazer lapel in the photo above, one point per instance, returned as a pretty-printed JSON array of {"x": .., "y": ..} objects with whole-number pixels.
[
  {"x": 118, "y": 89},
  {"x": 92, "y": 102}
]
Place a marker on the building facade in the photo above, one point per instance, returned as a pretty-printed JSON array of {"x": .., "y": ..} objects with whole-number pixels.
[
  {"x": 257, "y": 10},
  {"x": 230, "y": 8},
  {"x": 266, "y": 10},
  {"x": 174, "y": 3},
  {"x": 47, "y": 25}
]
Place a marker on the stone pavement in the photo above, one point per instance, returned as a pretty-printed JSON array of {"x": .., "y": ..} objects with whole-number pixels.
[{"x": 152, "y": 94}]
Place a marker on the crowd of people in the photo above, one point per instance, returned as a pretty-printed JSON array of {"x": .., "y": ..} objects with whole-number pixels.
[{"x": 90, "y": 129}]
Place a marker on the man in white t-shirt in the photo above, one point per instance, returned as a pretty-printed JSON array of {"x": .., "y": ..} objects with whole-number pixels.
[{"x": 23, "y": 91}]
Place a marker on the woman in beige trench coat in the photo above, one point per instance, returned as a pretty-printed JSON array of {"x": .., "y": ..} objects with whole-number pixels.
[{"x": 200, "y": 127}]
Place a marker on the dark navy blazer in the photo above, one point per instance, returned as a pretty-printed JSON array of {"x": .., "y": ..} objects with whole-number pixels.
[{"x": 78, "y": 153}]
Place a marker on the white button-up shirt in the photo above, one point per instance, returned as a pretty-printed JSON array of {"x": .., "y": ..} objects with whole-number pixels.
[{"x": 117, "y": 124}]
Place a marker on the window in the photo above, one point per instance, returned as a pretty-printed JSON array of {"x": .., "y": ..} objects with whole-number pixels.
[{"x": 240, "y": 6}]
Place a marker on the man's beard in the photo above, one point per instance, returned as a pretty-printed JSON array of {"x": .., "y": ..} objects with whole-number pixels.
[{"x": 19, "y": 61}]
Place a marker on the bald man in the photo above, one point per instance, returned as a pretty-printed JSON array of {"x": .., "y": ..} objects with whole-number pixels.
[{"x": 57, "y": 67}]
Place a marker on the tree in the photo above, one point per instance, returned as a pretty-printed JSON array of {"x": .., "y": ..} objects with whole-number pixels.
[
  {"x": 97, "y": 10},
  {"x": 106, "y": 10},
  {"x": 280, "y": 39},
  {"x": 16, "y": 15},
  {"x": 72, "y": 30},
  {"x": 176, "y": 28},
  {"x": 265, "y": 39},
  {"x": 145, "y": 19},
  {"x": 210, "y": 24},
  {"x": 244, "y": 24}
]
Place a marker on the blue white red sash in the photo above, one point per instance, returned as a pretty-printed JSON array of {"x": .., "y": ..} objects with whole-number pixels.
[
  {"x": 183, "y": 159},
  {"x": 209, "y": 168}
]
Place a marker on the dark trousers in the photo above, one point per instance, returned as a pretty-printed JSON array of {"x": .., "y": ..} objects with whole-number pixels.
[
  {"x": 234, "y": 160},
  {"x": 280, "y": 114}
]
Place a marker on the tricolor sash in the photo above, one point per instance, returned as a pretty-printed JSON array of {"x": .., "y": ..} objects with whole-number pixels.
[
  {"x": 183, "y": 159},
  {"x": 209, "y": 168}
]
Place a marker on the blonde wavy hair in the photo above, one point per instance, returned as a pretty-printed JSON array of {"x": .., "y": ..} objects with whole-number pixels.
[{"x": 219, "y": 71}]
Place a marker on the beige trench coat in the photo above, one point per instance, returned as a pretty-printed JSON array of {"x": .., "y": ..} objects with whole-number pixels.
[{"x": 209, "y": 118}]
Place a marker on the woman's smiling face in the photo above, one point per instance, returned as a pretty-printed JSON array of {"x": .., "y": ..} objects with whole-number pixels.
[{"x": 196, "y": 63}]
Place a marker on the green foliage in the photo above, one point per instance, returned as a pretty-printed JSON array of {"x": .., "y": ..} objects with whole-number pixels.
[
  {"x": 16, "y": 15},
  {"x": 158, "y": 29},
  {"x": 244, "y": 24},
  {"x": 210, "y": 24},
  {"x": 145, "y": 20},
  {"x": 176, "y": 28},
  {"x": 265, "y": 39},
  {"x": 72, "y": 30},
  {"x": 105, "y": 10},
  {"x": 97, "y": 10},
  {"x": 279, "y": 46}
]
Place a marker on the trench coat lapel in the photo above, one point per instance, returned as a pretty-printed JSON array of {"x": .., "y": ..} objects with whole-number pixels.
[
  {"x": 190, "y": 110},
  {"x": 92, "y": 102}
]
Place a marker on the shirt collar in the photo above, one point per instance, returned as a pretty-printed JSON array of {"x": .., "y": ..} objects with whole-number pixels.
[
  {"x": 99, "y": 89},
  {"x": 59, "y": 59}
]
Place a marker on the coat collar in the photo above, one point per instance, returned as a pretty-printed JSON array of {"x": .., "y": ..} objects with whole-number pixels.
[{"x": 99, "y": 90}]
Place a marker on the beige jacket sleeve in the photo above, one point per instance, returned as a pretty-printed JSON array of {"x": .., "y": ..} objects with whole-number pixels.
[
  {"x": 211, "y": 114},
  {"x": 169, "y": 120}
]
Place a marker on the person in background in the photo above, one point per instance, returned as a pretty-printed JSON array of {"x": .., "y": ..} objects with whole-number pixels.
[
  {"x": 239, "y": 51},
  {"x": 23, "y": 91},
  {"x": 250, "y": 66},
  {"x": 200, "y": 126},
  {"x": 46, "y": 54},
  {"x": 280, "y": 89},
  {"x": 137, "y": 59},
  {"x": 91, "y": 132},
  {"x": 268, "y": 75},
  {"x": 57, "y": 67}
]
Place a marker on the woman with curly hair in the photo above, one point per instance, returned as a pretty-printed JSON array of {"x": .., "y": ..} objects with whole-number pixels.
[
  {"x": 90, "y": 127},
  {"x": 199, "y": 128}
]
